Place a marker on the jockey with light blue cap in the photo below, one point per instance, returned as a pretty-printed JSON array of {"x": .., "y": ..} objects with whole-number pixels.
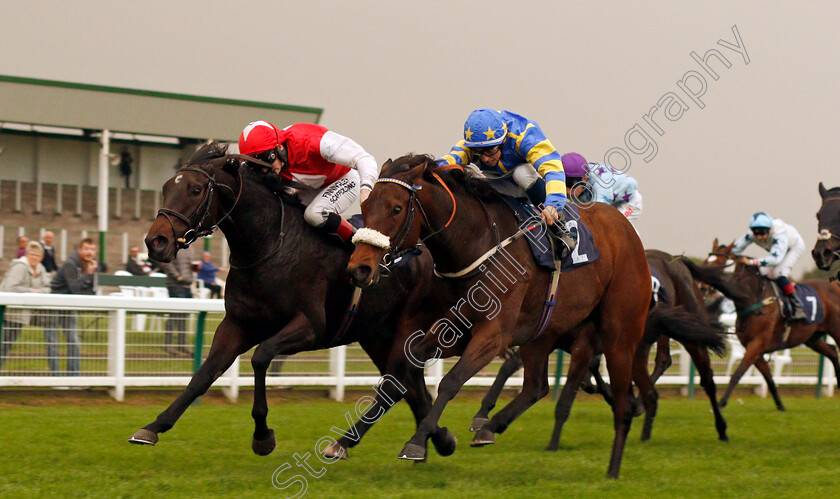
[
  {"x": 785, "y": 246},
  {"x": 504, "y": 145}
]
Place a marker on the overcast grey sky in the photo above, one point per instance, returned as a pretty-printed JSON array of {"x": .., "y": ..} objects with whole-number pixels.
[{"x": 403, "y": 76}]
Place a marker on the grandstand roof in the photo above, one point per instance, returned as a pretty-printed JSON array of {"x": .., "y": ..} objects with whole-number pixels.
[{"x": 97, "y": 107}]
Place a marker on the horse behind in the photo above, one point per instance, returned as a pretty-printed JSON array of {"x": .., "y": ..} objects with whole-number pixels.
[
  {"x": 760, "y": 325},
  {"x": 827, "y": 248}
]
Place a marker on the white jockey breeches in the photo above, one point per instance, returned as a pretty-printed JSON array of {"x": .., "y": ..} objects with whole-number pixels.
[
  {"x": 787, "y": 263},
  {"x": 632, "y": 209},
  {"x": 333, "y": 198}
]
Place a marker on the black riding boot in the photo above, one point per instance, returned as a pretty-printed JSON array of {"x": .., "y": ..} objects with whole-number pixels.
[
  {"x": 564, "y": 243},
  {"x": 796, "y": 310}
]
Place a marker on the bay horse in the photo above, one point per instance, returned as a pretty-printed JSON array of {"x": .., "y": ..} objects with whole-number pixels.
[
  {"x": 827, "y": 248},
  {"x": 682, "y": 318},
  {"x": 287, "y": 289},
  {"x": 460, "y": 219},
  {"x": 760, "y": 325}
]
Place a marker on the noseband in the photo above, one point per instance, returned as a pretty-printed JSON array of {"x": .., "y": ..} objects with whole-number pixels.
[{"x": 193, "y": 233}]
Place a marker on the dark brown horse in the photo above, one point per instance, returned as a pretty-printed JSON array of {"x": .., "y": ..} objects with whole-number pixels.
[
  {"x": 287, "y": 289},
  {"x": 688, "y": 324},
  {"x": 499, "y": 304},
  {"x": 760, "y": 326},
  {"x": 827, "y": 249}
]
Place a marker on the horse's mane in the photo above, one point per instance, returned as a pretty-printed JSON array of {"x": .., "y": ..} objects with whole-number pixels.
[
  {"x": 834, "y": 190},
  {"x": 204, "y": 157},
  {"x": 454, "y": 179}
]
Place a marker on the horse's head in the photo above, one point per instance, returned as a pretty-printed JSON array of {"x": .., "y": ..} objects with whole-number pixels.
[
  {"x": 741, "y": 283},
  {"x": 390, "y": 213},
  {"x": 827, "y": 249},
  {"x": 720, "y": 254},
  {"x": 192, "y": 205}
]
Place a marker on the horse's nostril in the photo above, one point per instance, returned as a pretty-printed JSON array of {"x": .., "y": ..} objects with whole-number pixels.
[{"x": 361, "y": 273}]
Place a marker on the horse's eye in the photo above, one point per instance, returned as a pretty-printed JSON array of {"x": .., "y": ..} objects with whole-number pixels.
[
  {"x": 396, "y": 210},
  {"x": 196, "y": 191}
]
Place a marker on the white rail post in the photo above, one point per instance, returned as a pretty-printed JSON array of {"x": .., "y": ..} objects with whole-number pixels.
[
  {"x": 63, "y": 245},
  {"x": 17, "y": 197},
  {"x": 116, "y": 352},
  {"x": 2, "y": 236},
  {"x": 79, "y": 193},
  {"x": 59, "y": 198},
  {"x": 435, "y": 373},
  {"x": 232, "y": 390},
  {"x": 137, "y": 196},
  {"x": 125, "y": 246},
  {"x": 338, "y": 366},
  {"x": 685, "y": 370},
  {"x": 39, "y": 194}
]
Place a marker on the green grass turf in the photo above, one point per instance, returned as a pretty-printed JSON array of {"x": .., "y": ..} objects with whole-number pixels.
[{"x": 76, "y": 447}]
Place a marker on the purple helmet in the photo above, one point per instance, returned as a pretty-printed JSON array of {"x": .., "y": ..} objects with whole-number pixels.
[{"x": 574, "y": 164}]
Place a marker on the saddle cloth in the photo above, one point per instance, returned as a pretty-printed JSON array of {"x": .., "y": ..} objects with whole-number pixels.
[
  {"x": 812, "y": 305},
  {"x": 658, "y": 293},
  {"x": 585, "y": 252}
]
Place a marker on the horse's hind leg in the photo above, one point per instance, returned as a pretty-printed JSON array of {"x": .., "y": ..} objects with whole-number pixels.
[
  {"x": 700, "y": 356},
  {"x": 663, "y": 357},
  {"x": 534, "y": 387},
  {"x": 820, "y": 346},
  {"x": 753, "y": 352},
  {"x": 229, "y": 342},
  {"x": 579, "y": 368},
  {"x": 512, "y": 364},
  {"x": 764, "y": 368},
  {"x": 647, "y": 392}
]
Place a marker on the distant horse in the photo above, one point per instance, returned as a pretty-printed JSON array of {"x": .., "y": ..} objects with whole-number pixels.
[
  {"x": 827, "y": 249},
  {"x": 462, "y": 219},
  {"x": 287, "y": 289},
  {"x": 689, "y": 326},
  {"x": 760, "y": 326}
]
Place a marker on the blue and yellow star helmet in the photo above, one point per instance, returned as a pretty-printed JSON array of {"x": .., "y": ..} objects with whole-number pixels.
[
  {"x": 484, "y": 128},
  {"x": 761, "y": 219}
]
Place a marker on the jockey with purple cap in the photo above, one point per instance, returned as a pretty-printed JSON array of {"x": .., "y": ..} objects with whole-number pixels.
[{"x": 600, "y": 183}]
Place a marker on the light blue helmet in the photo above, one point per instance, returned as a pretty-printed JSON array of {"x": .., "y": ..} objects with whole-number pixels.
[
  {"x": 761, "y": 219},
  {"x": 484, "y": 128}
]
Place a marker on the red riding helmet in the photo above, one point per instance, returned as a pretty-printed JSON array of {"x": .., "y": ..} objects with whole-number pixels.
[{"x": 258, "y": 137}]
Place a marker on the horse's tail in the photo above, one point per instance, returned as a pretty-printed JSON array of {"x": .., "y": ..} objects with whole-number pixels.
[{"x": 680, "y": 325}]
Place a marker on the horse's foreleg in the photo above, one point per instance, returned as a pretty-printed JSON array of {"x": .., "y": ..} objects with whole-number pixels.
[
  {"x": 510, "y": 366},
  {"x": 754, "y": 350},
  {"x": 479, "y": 352},
  {"x": 620, "y": 367},
  {"x": 700, "y": 356},
  {"x": 764, "y": 368},
  {"x": 298, "y": 335},
  {"x": 534, "y": 387},
  {"x": 229, "y": 342},
  {"x": 580, "y": 366}
]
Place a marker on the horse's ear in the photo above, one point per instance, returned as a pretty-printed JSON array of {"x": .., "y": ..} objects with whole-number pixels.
[
  {"x": 232, "y": 165},
  {"x": 715, "y": 245},
  {"x": 386, "y": 166},
  {"x": 823, "y": 190},
  {"x": 415, "y": 172},
  {"x": 730, "y": 246}
]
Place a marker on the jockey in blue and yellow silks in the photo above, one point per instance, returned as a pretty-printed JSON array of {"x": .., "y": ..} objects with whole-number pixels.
[{"x": 504, "y": 144}]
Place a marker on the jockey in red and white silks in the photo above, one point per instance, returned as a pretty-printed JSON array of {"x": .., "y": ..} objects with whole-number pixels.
[{"x": 334, "y": 169}]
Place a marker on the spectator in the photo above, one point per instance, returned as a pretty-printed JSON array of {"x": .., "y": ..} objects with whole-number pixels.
[
  {"x": 25, "y": 275},
  {"x": 76, "y": 276},
  {"x": 134, "y": 265},
  {"x": 49, "y": 252},
  {"x": 22, "y": 241},
  {"x": 207, "y": 273},
  {"x": 125, "y": 165},
  {"x": 178, "y": 279}
]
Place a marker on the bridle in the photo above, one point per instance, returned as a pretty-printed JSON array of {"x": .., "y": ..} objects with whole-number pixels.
[
  {"x": 200, "y": 230},
  {"x": 394, "y": 251},
  {"x": 827, "y": 235}
]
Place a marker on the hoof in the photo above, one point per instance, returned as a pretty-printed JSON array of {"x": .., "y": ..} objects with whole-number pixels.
[
  {"x": 552, "y": 448},
  {"x": 413, "y": 452},
  {"x": 483, "y": 437},
  {"x": 477, "y": 423},
  {"x": 723, "y": 438},
  {"x": 265, "y": 446},
  {"x": 336, "y": 451},
  {"x": 445, "y": 442},
  {"x": 144, "y": 437}
]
